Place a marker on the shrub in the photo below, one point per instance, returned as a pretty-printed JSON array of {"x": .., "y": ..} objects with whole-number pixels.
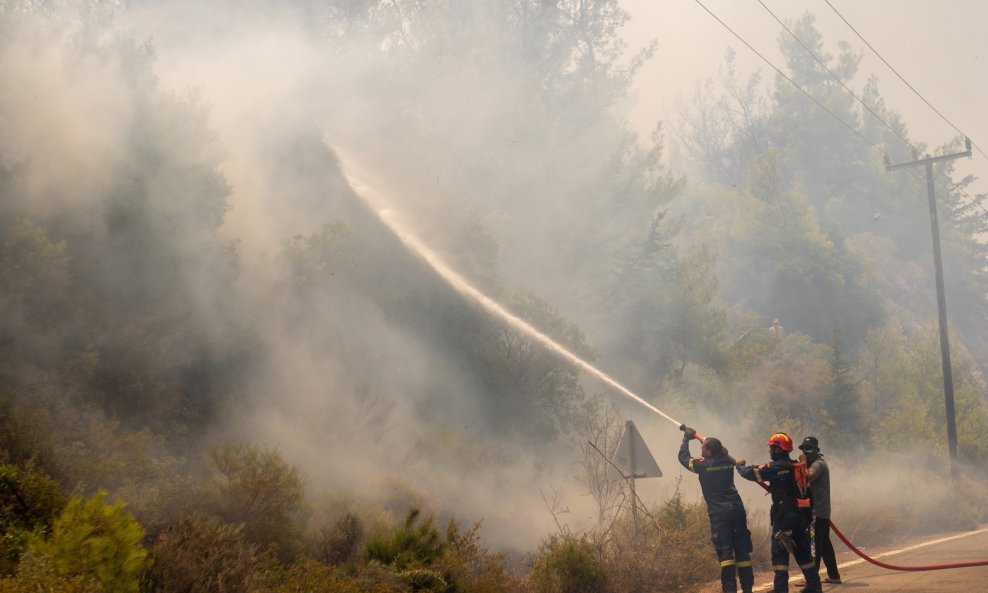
[
  {"x": 259, "y": 489},
  {"x": 98, "y": 542},
  {"x": 201, "y": 554},
  {"x": 408, "y": 546},
  {"x": 37, "y": 572},
  {"x": 470, "y": 566},
  {"x": 340, "y": 544},
  {"x": 29, "y": 499},
  {"x": 567, "y": 565}
]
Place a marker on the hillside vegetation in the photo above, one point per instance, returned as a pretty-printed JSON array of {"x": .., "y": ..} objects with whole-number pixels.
[{"x": 220, "y": 371}]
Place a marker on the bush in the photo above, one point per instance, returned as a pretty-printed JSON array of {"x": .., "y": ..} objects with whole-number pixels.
[
  {"x": 37, "y": 572},
  {"x": 98, "y": 542},
  {"x": 471, "y": 567},
  {"x": 408, "y": 546},
  {"x": 340, "y": 544},
  {"x": 260, "y": 490},
  {"x": 567, "y": 565},
  {"x": 201, "y": 554},
  {"x": 29, "y": 500}
]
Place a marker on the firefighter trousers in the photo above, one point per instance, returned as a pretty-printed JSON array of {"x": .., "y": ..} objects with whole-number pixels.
[
  {"x": 732, "y": 542},
  {"x": 792, "y": 525}
]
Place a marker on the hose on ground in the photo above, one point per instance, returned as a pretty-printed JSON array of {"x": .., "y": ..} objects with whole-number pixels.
[{"x": 868, "y": 558}]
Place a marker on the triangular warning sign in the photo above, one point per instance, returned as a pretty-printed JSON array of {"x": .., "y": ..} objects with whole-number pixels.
[{"x": 633, "y": 456}]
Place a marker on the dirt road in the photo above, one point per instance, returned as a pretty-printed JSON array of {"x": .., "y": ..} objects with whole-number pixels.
[{"x": 859, "y": 575}]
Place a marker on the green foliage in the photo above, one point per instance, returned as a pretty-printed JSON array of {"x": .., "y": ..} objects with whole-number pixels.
[
  {"x": 259, "y": 489},
  {"x": 315, "y": 259},
  {"x": 842, "y": 403},
  {"x": 567, "y": 565},
  {"x": 314, "y": 577},
  {"x": 27, "y": 434},
  {"x": 201, "y": 554},
  {"x": 414, "y": 544},
  {"x": 38, "y": 572},
  {"x": 35, "y": 273},
  {"x": 472, "y": 568},
  {"x": 539, "y": 393},
  {"x": 29, "y": 500},
  {"x": 98, "y": 542}
]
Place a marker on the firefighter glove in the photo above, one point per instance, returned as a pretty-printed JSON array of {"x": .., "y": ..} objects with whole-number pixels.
[{"x": 689, "y": 434}]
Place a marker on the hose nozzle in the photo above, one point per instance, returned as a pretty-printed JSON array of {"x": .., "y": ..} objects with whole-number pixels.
[{"x": 696, "y": 435}]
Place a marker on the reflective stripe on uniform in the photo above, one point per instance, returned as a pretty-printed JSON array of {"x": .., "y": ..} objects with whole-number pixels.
[
  {"x": 744, "y": 563},
  {"x": 758, "y": 476},
  {"x": 781, "y": 567},
  {"x": 808, "y": 565},
  {"x": 691, "y": 466},
  {"x": 730, "y": 562}
]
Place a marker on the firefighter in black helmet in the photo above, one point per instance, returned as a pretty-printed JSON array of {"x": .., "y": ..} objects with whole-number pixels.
[
  {"x": 788, "y": 487},
  {"x": 728, "y": 520}
]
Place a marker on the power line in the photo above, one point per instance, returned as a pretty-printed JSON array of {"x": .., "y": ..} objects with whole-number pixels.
[
  {"x": 790, "y": 80},
  {"x": 935, "y": 110},
  {"x": 802, "y": 90},
  {"x": 835, "y": 77}
]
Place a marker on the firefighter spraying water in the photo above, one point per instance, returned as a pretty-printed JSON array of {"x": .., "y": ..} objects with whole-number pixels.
[
  {"x": 728, "y": 520},
  {"x": 786, "y": 479}
]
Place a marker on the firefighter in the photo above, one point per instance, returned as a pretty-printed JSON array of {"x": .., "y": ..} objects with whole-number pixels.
[
  {"x": 728, "y": 521},
  {"x": 788, "y": 517},
  {"x": 819, "y": 476}
]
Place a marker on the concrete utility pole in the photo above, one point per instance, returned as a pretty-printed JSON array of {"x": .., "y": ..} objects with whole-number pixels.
[{"x": 948, "y": 379}]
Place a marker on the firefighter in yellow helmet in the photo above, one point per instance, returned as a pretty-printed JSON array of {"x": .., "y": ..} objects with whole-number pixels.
[{"x": 786, "y": 481}]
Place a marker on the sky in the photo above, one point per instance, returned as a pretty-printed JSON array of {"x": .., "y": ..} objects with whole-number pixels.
[{"x": 938, "y": 47}]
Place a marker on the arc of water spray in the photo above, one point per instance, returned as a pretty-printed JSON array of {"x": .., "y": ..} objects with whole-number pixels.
[{"x": 366, "y": 192}]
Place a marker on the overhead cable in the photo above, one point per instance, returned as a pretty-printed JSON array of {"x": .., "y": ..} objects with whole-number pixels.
[
  {"x": 835, "y": 77},
  {"x": 935, "y": 110},
  {"x": 790, "y": 80}
]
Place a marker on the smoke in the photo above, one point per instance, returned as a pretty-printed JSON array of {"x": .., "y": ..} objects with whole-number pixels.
[
  {"x": 234, "y": 136},
  {"x": 225, "y": 116}
]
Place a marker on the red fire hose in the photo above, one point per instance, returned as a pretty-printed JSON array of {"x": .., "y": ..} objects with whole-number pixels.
[
  {"x": 897, "y": 567},
  {"x": 854, "y": 548}
]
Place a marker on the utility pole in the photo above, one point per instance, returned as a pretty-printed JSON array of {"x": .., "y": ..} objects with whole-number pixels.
[{"x": 948, "y": 379}]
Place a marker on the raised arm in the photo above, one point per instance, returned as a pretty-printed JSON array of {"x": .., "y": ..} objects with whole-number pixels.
[{"x": 684, "y": 455}]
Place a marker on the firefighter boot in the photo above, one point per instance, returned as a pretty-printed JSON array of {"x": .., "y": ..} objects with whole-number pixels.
[
  {"x": 728, "y": 583},
  {"x": 746, "y": 576},
  {"x": 812, "y": 580},
  {"x": 781, "y": 581}
]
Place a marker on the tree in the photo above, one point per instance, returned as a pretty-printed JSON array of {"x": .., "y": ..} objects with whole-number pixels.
[
  {"x": 259, "y": 489},
  {"x": 724, "y": 133},
  {"x": 534, "y": 388},
  {"x": 842, "y": 404},
  {"x": 96, "y": 542}
]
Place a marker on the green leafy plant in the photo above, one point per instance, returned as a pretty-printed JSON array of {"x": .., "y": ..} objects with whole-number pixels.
[
  {"x": 567, "y": 565},
  {"x": 98, "y": 542}
]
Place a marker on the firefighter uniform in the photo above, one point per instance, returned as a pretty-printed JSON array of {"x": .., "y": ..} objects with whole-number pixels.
[
  {"x": 728, "y": 521},
  {"x": 789, "y": 522}
]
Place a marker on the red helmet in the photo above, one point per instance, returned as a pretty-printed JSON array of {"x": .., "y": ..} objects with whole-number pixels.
[{"x": 782, "y": 441}]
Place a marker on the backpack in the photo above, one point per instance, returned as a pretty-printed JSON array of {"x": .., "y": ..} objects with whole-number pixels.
[{"x": 801, "y": 478}]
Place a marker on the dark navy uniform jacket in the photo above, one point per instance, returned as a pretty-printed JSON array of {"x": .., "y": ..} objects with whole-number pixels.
[
  {"x": 781, "y": 483},
  {"x": 716, "y": 480}
]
